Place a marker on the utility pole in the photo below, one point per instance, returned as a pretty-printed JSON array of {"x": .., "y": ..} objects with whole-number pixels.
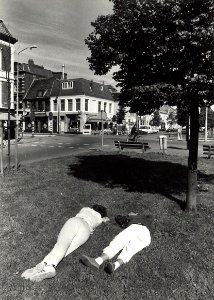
[
  {"x": 205, "y": 131},
  {"x": 1, "y": 158},
  {"x": 17, "y": 105},
  {"x": 8, "y": 122},
  {"x": 102, "y": 129}
]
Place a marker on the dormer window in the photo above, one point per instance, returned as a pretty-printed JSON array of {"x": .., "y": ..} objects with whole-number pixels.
[
  {"x": 67, "y": 85},
  {"x": 41, "y": 93}
]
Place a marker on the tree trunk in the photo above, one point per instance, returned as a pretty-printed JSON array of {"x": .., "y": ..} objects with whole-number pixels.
[
  {"x": 191, "y": 199},
  {"x": 8, "y": 121}
]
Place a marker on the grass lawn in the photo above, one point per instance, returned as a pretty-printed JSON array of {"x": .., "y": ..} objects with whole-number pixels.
[{"x": 34, "y": 204}]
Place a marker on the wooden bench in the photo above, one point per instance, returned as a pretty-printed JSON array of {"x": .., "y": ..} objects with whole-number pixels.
[
  {"x": 132, "y": 145},
  {"x": 208, "y": 150}
]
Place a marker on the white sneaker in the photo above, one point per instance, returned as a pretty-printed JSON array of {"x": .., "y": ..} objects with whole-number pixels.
[
  {"x": 29, "y": 272},
  {"x": 48, "y": 271}
]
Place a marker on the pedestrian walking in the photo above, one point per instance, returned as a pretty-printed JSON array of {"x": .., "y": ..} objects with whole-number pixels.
[
  {"x": 180, "y": 138},
  {"x": 75, "y": 232}
]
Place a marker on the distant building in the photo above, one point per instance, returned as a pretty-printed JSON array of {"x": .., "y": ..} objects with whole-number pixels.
[
  {"x": 66, "y": 105},
  {"x": 27, "y": 73},
  {"x": 7, "y": 42}
]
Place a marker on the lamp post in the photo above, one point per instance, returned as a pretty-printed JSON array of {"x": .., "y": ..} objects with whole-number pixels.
[
  {"x": 101, "y": 129},
  {"x": 205, "y": 130},
  {"x": 17, "y": 103}
]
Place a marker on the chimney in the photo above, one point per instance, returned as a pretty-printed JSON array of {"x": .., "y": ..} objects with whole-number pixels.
[
  {"x": 63, "y": 71},
  {"x": 30, "y": 62}
]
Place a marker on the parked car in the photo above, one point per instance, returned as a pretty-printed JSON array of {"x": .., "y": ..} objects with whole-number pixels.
[
  {"x": 155, "y": 130},
  {"x": 144, "y": 129},
  {"x": 172, "y": 130}
]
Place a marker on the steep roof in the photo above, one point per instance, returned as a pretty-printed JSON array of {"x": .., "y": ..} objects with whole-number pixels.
[
  {"x": 86, "y": 87},
  {"x": 166, "y": 109},
  {"x": 40, "y": 88},
  {"x": 5, "y": 35},
  {"x": 34, "y": 69}
]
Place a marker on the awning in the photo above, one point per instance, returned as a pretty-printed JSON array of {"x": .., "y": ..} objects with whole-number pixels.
[
  {"x": 99, "y": 117},
  {"x": 4, "y": 117}
]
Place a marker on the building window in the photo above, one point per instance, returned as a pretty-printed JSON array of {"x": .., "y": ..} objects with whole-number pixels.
[
  {"x": 78, "y": 104},
  {"x": 40, "y": 106},
  {"x": 55, "y": 105},
  {"x": 62, "y": 108},
  {"x": 0, "y": 58},
  {"x": 47, "y": 106},
  {"x": 99, "y": 105},
  {"x": 86, "y": 104},
  {"x": 105, "y": 105},
  {"x": 40, "y": 93},
  {"x": 67, "y": 85},
  {"x": 110, "y": 107},
  {"x": 70, "y": 104}
]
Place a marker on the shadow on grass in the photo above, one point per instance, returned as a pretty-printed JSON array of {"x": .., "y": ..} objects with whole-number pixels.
[{"x": 133, "y": 174}]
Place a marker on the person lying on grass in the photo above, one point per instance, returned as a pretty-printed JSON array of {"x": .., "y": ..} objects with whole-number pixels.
[
  {"x": 75, "y": 232},
  {"x": 129, "y": 241}
]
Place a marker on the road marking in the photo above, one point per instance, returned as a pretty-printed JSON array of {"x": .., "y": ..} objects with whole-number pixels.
[
  {"x": 59, "y": 143},
  {"x": 34, "y": 145},
  {"x": 51, "y": 146},
  {"x": 71, "y": 147},
  {"x": 85, "y": 144}
]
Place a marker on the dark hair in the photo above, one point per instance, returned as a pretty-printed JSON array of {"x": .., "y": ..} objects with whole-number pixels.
[
  {"x": 100, "y": 209},
  {"x": 122, "y": 221}
]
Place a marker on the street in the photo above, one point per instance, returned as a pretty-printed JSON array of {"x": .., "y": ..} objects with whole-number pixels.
[{"x": 45, "y": 147}]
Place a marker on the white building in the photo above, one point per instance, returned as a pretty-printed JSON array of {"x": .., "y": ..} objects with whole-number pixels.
[{"x": 6, "y": 71}]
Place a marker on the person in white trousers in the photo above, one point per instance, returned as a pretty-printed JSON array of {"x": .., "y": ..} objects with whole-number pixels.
[
  {"x": 129, "y": 241},
  {"x": 75, "y": 232}
]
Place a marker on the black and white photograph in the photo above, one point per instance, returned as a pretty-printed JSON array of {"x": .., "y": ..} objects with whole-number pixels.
[{"x": 106, "y": 149}]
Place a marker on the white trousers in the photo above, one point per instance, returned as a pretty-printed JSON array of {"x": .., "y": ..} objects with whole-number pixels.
[
  {"x": 73, "y": 234},
  {"x": 131, "y": 240}
]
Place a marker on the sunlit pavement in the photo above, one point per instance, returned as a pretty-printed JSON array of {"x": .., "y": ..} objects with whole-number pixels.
[{"x": 41, "y": 147}]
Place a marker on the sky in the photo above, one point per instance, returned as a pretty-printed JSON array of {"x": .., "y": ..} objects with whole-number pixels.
[{"x": 58, "y": 28}]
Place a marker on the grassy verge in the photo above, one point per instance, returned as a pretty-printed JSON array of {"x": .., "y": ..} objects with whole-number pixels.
[{"x": 35, "y": 204}]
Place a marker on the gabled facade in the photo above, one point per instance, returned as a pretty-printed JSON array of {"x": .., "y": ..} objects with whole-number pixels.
[
  {"x": 36, "y": 105},
  {"x": 7, "y": 42},
  {"x": 27, "y": 73},
  {"x": 72, "y": 104},
  {"x": 78, "y": 101}
]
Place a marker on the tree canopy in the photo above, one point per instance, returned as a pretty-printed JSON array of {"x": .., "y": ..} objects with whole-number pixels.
[{"x": 163, "y": 50}]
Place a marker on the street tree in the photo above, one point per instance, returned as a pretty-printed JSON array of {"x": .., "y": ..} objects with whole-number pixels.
[
  {"x": 156, "y": 119},
  {"x": 163, "y": 50},
  {"x": 120, "y": 115}
]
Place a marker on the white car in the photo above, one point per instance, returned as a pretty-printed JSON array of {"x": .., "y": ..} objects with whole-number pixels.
[{"x": 145, "y": 129}]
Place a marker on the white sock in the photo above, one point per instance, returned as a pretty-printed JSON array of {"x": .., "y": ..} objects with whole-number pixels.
[
  {"x": 99, "y": 260},
  {"x": 116, "y": 265}
]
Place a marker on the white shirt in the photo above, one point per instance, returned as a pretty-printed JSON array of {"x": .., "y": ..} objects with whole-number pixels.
[{"x": 92, "y": 217}]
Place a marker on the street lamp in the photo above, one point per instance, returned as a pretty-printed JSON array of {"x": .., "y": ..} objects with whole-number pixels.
[
  {"x": 102, "y": 128},
  {"x": 205, "y": 130},
  {"x": 17, "y": 103}
]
